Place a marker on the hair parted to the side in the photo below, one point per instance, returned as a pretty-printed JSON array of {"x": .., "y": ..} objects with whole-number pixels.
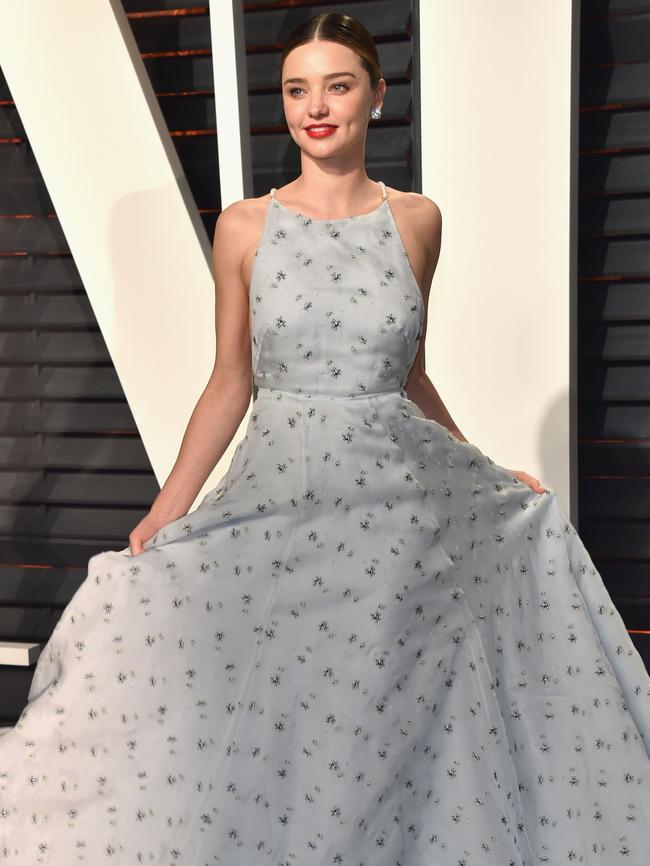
[{"x": 337, "y": 27}]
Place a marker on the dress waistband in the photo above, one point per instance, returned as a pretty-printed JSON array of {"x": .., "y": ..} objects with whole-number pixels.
[{"x": 265, "y": 390}]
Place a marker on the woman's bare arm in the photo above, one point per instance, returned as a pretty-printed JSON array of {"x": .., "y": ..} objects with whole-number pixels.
[
  {"x": 225, "y": 399},
  {"x": 423, "y": 231}
]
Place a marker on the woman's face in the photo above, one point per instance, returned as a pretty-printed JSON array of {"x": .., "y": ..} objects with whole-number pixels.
[{"x": 324, "y": 82}]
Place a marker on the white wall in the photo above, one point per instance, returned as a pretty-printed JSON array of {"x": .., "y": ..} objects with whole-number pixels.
[{"x": 496, "y": 151}]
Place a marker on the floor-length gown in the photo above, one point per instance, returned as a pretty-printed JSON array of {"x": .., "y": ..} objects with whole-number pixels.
[{"x": 369, "y": 645}]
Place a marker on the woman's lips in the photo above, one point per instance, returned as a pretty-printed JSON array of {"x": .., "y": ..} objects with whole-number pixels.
[{"x": 320, "y": 131}]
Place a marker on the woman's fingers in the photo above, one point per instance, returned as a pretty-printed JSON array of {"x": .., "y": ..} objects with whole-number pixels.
[{"x": 534, "y": 483}]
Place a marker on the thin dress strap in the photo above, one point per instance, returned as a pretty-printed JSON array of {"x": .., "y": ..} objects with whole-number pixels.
[{"x": 273, "y": 192}]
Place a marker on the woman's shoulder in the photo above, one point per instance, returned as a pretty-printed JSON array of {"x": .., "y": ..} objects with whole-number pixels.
[
  {"x": 239, "y": 224},
  {"x": 243, "y": 209},
  {"x": 239, "y": 230},
  {"x": 416, "y": 204}
]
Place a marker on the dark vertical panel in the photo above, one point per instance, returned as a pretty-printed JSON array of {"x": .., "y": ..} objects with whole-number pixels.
[{"x": 614, "y": 303}]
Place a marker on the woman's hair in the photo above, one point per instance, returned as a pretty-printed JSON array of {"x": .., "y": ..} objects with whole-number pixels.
[{"x": 337, "y": 27}]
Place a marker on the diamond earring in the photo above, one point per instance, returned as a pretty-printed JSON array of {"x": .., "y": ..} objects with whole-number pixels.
[{"x": 375, "y": 113}]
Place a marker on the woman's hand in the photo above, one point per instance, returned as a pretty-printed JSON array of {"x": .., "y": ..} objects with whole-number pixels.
[
  {"x": 148, "y": 526},
  {"x": 533, "y": 483}
]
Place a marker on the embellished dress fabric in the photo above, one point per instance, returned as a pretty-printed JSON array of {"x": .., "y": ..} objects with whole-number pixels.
[{"x": 370, "y": 645}]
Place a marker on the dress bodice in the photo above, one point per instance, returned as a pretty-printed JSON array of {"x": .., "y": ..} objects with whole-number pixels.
[{"x": 335, "y": 306}]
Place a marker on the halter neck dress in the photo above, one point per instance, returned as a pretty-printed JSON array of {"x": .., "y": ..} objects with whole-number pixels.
[{"x": 369, "y": 645}]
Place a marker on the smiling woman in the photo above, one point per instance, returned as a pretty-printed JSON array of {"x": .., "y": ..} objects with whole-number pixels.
[
  {"x": 370, "y": 644},
  {"x": 331, "y": 83}
]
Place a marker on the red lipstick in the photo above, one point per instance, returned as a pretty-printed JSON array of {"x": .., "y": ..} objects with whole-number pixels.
[{"x": 320, "y": 130}]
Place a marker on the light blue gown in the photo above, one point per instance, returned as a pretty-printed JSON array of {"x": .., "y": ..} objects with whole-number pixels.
[{"x": 369, "y": 645}]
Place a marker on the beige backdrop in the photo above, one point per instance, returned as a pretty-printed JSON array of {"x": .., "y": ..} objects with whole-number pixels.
[{"x": 497, "y": 158}]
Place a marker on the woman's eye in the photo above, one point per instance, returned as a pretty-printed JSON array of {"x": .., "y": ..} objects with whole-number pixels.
[{"x": 338, "y": 84}]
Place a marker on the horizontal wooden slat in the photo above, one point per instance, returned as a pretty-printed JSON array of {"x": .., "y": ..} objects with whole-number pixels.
[
  {"x": 32, "y": 232},
  {"x": 614, "y": 458},
  {"x": 615, "y": 498},
  {"x": 591, "y": 7},
  {"x": 607, "y": 175},
  {"x": 87, "y": 347},
  {"x": 180, "y": 74},
  {"x": 120, "y": 453},
  {"x": 608, "y": 217},
  {"x": 615, "y": 130},
  {"x": 59, "y": 382},
  {"x": 27, "y": 623},
  {"x": 39, "y": 274},
  {"x": 615, "y": 38},
  {"x": 615, "y": 342},
  {"x": 598, "y": 421},
  {"x": 98, "y": 524},
  {"x": 172, "y": 32},
  {"x": 615, "y": 302},
  {"x": 625, "y": 577},
  {"x": 37, "y": 586},
  {"x": 601, "y": 381},
  {"x": 621, "y": 539},
  {"x": 69, "y": 309},
  {"x": 622, "y": 85},
  {"x": 78, "y": 488},
  {"x": 607, "y": 257},
  {"x": 111, "y": 417},
  {"x": 51, "y": 554}
]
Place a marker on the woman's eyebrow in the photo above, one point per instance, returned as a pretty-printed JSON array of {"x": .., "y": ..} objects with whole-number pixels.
[{"x": 325, "y": 77}]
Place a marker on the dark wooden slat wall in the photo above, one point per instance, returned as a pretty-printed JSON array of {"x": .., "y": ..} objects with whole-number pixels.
[
  {"x": 173, "y": 37},
  {"x": 614, "y": 303}
]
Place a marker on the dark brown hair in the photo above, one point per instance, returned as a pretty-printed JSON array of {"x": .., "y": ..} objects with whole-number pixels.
[{"x": 337, "y": 27}]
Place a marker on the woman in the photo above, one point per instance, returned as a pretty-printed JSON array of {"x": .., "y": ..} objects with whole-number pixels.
[{"x": 369, "y": 644}]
